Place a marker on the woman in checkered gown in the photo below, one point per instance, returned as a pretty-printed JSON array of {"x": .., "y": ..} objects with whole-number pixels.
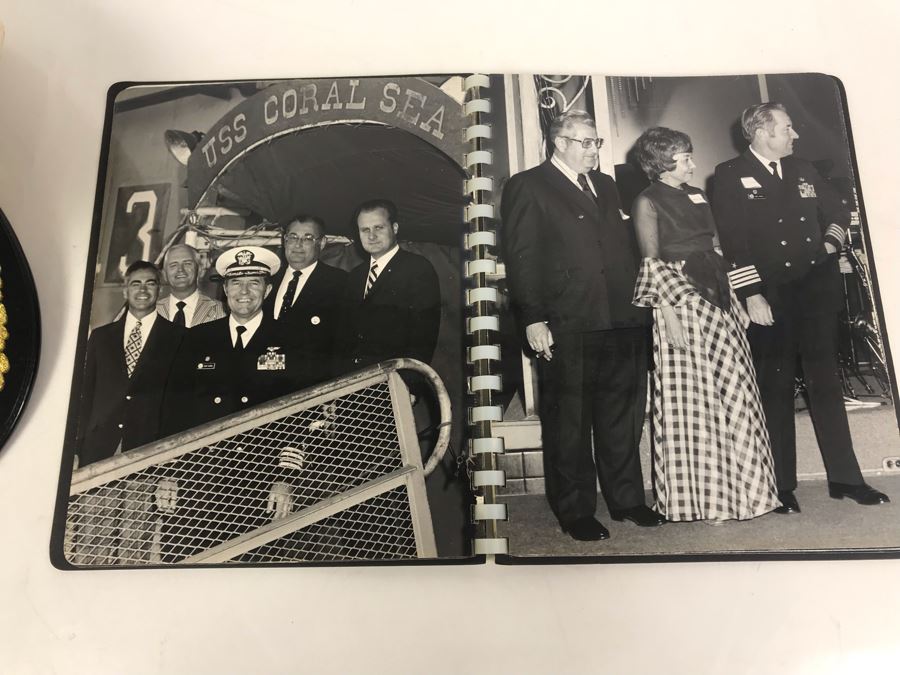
[{"x": 711, "y": 455}]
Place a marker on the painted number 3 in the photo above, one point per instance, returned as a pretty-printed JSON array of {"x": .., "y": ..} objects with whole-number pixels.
[{"x": 149, "y": 198}]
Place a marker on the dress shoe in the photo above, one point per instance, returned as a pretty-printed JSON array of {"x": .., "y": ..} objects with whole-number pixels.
[
  {"x": 586, "y": 529},
  {"x": 861, "y": 494},
  {"x": 641, "y": 515},
  {"x": 789, "y": 503}
]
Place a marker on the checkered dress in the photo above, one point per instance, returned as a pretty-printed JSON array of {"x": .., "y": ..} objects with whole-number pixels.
[{"x": 711, "y": 453}]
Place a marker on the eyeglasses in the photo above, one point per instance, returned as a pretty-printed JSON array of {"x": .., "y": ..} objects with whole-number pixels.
[
  {"x": 586, "y": 143},
  {"x": 292, "y": 238}
]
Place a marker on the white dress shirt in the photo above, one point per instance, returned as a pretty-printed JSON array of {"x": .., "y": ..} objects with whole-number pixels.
[
  {"x": 251, "y": 327},
  {"x": 146, "y": 324},
  {"x": 572, "y": 175},
  {"x": 190, "y": 306},
  {"x": 767, "y": 162}
]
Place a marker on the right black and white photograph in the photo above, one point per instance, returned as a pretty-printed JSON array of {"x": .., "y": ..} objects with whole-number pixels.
[{"x": 694, "y": 360}]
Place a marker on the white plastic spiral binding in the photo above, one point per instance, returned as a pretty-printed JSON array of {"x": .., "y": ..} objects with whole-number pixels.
[{"x": 482, "y": 298}]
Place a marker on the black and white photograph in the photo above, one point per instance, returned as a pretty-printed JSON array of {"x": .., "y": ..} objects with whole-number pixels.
[
  {"x": 694, "y": 355},
  {"x": 271, "y": 357}
]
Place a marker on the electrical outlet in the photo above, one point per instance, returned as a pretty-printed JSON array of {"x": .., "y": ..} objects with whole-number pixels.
[{"x": 891, "y": 464}]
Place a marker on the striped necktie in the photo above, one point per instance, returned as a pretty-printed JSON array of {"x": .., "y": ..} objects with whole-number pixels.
[
  {"x": 133, "y": 348},
  {"x": 373, "y": 277}
]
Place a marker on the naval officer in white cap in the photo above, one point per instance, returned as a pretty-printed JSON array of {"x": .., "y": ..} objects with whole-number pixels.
[
  {"x": 235, "y": 362},
  {"x": 223, "y": 367}
]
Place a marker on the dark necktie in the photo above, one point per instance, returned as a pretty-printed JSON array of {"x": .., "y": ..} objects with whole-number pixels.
[
  {"x": 583, "y": 182},
  {"x": 239, "y": 343},
  {"x": 775, "y": 173},
  {"x": 287, "y": 300},
  {"x": 178, "y": 320}
]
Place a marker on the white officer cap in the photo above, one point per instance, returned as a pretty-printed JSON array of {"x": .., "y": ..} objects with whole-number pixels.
[{"x": 247, "y": 261}]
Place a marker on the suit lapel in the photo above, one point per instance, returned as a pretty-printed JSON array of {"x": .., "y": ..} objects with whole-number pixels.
[
  {"x": 118, "y": 346},
  {"x": 310, "y": 288},
  {"x": 383, "y": 276},
  {"x": 774, "y": 186},
  {"x": 203, "y": 310},
  {"x": 146, "y": 349},
  {"x": 567, "y": 189}
]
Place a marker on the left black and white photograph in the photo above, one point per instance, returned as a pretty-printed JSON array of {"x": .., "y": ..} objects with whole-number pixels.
[{"x": 270, "y": 365}]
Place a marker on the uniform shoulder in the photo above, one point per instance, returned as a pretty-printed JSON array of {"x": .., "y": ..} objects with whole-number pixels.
[{"x": 729, "y": 164}]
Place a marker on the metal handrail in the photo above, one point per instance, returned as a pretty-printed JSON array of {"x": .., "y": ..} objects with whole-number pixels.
[{"x": 172, "y": 446}]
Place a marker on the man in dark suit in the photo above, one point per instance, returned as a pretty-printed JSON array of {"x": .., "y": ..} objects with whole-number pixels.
[
  {"x": 306, "y": 299},
  {"x": 223, "y": 367},
  {"x": 781, "y": 226},
  {"x": 392, "y": 302},
  {"x": 571, "y": 265},
  {"x": 186, "y": 305},
  {"x": 128, "y": 362}
]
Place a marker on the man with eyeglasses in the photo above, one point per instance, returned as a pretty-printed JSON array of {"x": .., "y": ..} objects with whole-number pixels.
[
  {"x": 571, "y": 264},
  {"x": 305, "y": 302}
]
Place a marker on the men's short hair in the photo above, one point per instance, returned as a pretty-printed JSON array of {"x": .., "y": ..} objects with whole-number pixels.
[
  {"x": 138, "y": 265},
  {"x": 305, "y": 218},
  {"x": 373, "y": 205},
  {"x": 563, "y": 124},
  {"x": 195, "y": 254},
  {"x": 759, "y": 116},
  {"x": 655, "y": 147}
]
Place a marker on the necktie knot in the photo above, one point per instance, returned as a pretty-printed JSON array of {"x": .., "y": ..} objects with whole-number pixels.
[
  {"x": 774, "y": 166},
  {"x": 582, "y": 181},
  {"x": 179, "y": 319},
  {"x": 239, "y": 343}
]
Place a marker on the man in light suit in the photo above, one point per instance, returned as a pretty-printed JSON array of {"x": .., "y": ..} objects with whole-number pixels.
[
  {"x": 305, "y": 300},
  {"x": 781, "y": 226},
  {"x": 186, "y": 305},
  {"x": 571, "y": 264},
  {"x": 128, "y": 363}
]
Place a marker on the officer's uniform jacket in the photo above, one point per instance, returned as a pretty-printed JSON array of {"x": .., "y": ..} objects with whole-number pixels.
[
  {"x": 773, "y": 231},
  {"x": 211, "y": 379}
]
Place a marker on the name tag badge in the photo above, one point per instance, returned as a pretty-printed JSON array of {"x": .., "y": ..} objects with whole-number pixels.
[
  {"x": 271, "y": 360},
  {"x": 807, "y": 190},
  {"x": 206, "y": 364},
  {"x": 697, "y": 198},
  {"x": 750, "y": 182},
  {"x": 756, "y": 194}
]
